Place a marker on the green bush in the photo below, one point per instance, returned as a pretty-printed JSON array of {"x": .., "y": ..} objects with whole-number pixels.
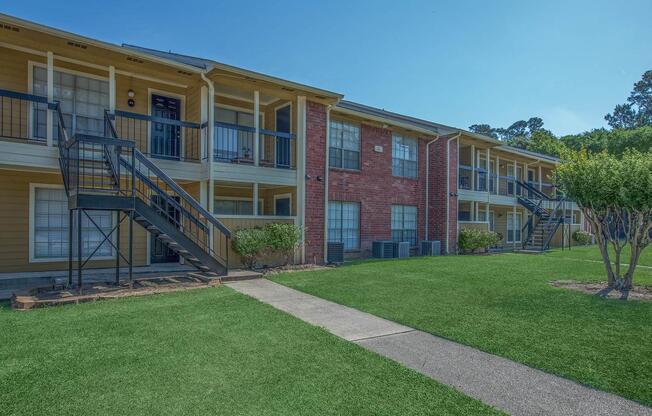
[
  {"x": 472, "y": 240},
  {"x": 253, "y": 243},
  {"x": 582, "y": 237},
  {"x": 283, "y": 239},
  {"x": 250, "y": 244}
]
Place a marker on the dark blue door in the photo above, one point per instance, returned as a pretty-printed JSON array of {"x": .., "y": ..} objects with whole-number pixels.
[
  {"x": 283, "y": 125},
  {"x": 166, "y": 136}
]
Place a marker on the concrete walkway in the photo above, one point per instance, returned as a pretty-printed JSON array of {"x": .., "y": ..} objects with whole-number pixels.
[{"x": 504, "y": 384}]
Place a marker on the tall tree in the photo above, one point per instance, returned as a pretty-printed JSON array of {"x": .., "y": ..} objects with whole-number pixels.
[
  {"x": 637, "y": 111},
  {"x": 484, "y": 129}
]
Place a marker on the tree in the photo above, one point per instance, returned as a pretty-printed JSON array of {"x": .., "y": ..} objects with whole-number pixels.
[
  {"x": 615, "y": 195},
  {"x": 615, "y": 141},
  {"x": 483, "y": 129},
  {"x": 637, "y": 112}
]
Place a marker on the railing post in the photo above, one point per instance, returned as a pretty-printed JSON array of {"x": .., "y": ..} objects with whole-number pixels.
[
  {"x": 256, "y": 128},
  {"x": 79, "y": 250},
  {"x": 473, "y": 167}
]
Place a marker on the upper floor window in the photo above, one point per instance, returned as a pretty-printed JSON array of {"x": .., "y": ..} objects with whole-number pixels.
[
  {"x": 404, "y": 156},
  {"x": 344, "y": 151}
]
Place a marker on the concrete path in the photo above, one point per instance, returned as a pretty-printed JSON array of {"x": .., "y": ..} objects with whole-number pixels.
[{"x": 504, "y": 384}]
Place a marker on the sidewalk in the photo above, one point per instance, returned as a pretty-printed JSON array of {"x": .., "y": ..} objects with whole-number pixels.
[{"x": 504, "y": 384}]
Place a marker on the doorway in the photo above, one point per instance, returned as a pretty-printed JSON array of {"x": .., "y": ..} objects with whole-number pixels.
[{"x": 165, "y": 136}]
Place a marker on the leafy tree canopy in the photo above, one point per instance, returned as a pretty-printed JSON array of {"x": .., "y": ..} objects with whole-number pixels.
[{"x": 637, "y": 111}]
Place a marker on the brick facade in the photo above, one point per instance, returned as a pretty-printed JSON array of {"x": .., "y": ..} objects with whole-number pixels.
[{"x": 315, "y": 167}]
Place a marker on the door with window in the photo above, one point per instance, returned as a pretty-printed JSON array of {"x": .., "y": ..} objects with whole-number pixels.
[
  {"x": 283, "y": 205},
  {"x": 166, "y": 135},
  {"x": 160, "y": 253},
  {"x": 512, "y": 187},
  {"x": 514, "y": 225},
  {"x": 283, "y": 125},
  {"x": 82, "y": 99},
  {"x": 234, "y": 144}
]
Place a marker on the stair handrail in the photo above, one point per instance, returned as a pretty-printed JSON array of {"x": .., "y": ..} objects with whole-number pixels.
[
  {"x": 558, "y": 219},
  {"x": 63, "y": 143},
  {"x": 535, "y": 191},
  {"x": 169, "y": 181}
]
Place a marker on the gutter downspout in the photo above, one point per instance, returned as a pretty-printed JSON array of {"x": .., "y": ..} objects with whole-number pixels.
[
  {"x": 427, "y": 182},
  {"x": 448, "y": 187},
  {"x": 209, "y": 140},
  {"x": 326, "y": 171}
]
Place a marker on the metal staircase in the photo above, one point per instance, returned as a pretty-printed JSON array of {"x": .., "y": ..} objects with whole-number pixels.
[
  {"x": 544, "y": 222},
  {"x": 108, "y": 173}
]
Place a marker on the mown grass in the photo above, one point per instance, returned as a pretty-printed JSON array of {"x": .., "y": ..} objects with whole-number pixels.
[
  {"x": 203, "y": 352},
  {"x": 504, "y": 304}
]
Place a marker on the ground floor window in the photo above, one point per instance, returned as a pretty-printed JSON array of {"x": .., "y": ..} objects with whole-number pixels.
[
  {"x": 404, "y": 223},
  {"x": 514, "y": 227},
  {"x": 50, "y": 227},
  {"x": 344, "y": 224}
]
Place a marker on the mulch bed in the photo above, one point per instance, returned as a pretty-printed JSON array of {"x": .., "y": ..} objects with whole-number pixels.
[
  {"x": 36, "y": 298},
  {"x": 294, "y": 268},
  {"x": 643, "y": 293}
]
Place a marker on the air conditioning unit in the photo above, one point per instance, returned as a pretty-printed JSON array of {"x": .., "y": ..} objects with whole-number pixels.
[
  {"x": 430, "y": 248},
  {"x": 335, "y": 253},
  {"x": 402, "y": 249},
  {"x": 382, "y": 249}
]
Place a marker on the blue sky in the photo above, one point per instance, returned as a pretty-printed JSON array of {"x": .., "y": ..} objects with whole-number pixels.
[{"x": 453, "y": 62}]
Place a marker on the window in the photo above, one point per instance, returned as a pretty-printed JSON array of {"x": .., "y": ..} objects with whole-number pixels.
[
  {"x": 236, "y": 206},
  {"x": 404, "y": 224},
  {"x": 50, "y": 227},
  {"x": 514, "y": 229},
  {"x": 233, "y": 143},
  {"x": 404, "y": 156},
  {"x": 344, "y": 151},
  {"x": 82, "y": 99},
  {"x": 344, "y": 224}
]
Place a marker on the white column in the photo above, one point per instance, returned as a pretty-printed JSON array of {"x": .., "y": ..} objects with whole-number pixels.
[
  {"x": 111, "y": 89},
  {"x": 497, "y": 175},
  {"x": 203, "y": 194},
  {"x": 540, "y": 179},
  {"x": 514, "y": 225},
  {"x": 255, "y": 198},
  {"x": 473, "y": 167},
  {"x": 257, "y": 128},
  {"x": 515, "y": 177},
  {"x": 301, "y": 170},
  {"x": 488, "y": 174},
  {"x": 209, "y": 137},
  {"x": 50, "y": 113}
]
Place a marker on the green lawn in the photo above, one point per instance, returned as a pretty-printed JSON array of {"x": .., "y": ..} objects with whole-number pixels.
[
  {"x": 204, "y": 352},
  {"x": 503, "y": 304}
]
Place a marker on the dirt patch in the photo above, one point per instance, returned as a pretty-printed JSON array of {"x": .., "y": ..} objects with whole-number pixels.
[
  {"x": 291, "y": 268},
  {"x": 600, "y": 289}
]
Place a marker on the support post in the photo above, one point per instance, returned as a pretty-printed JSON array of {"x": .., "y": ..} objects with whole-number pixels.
[
  {"x": 540, "y": 179},
  {"x": 257, "y": 129},
  {"x": 50, "y": 113},
  {"x": 301, "y": 171},
  {"x": 70, "y": 235},
  {"x": 514, "y": 221},
  {"x": 112, "y": 89},
  {"x": 131, "y": 247},
  {"x": 117, "y": 249},
  {"x": 79, "y": 250},
  {"x": 497, "y": 175},
  {"x": 473, "y": 167},
  {"x": 488, "y": 174},
  {"x": 255, "y": 199}
]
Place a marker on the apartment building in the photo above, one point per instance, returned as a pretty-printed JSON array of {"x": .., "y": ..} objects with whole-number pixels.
[{"x": 158, "y": 157}]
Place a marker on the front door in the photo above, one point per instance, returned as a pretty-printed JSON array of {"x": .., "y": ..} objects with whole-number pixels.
[
  {"x": 166, "y": 136},
  {"x": 160, "y": 253},
  {"x": 283, "y": 125}
]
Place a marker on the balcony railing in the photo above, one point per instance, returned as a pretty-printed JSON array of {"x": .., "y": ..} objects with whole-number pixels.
[
  {"x": 23, "y": 117},
  {"x": 235, "y": 144},
  {"x": 498, "y": 185},
  {"x": 161, "y": 138}
]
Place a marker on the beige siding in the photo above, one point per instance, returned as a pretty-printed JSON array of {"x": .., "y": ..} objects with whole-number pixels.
[{"x": 14, "y": 225}]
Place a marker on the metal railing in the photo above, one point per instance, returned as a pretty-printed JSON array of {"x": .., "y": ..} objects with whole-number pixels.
[
  {"x": 157, "y": 190},
  {"x": 23, "y": 117},
  {"x": 235, "y": 144},
  {"x": 160, "y": 138}
]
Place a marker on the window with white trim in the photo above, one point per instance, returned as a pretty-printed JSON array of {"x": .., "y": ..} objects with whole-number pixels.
[
  {"x": 404, "y": 156},
  {"x": 514, "y": 228},
  {"x": 344, "y": 224},
  {"x": 344, "y": 146},
  {"x": 404, "y": 224},
  {"x": 82, "y": 100},
  {"x": 50, "y": 239}
]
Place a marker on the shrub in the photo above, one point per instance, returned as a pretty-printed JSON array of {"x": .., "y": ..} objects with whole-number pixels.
[
  {"x": 472, "y": 240},
  {"x": 582, "y": 237},
  {"x": 283, "y": 239},
  {"x": 250, "y": 244}
]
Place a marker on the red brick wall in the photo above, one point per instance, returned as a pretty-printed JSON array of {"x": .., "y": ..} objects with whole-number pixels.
[
  {"x": 437, "y": 193},
  {"x": 315, "y": 166},
  {"x": 376, "y": 189}
]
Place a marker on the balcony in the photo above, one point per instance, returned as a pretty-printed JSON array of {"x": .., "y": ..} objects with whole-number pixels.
[
  {"x": 235, "y": 144},
  {"x": 476, "y": 180},
  {"x": 23, "y": 117}
]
